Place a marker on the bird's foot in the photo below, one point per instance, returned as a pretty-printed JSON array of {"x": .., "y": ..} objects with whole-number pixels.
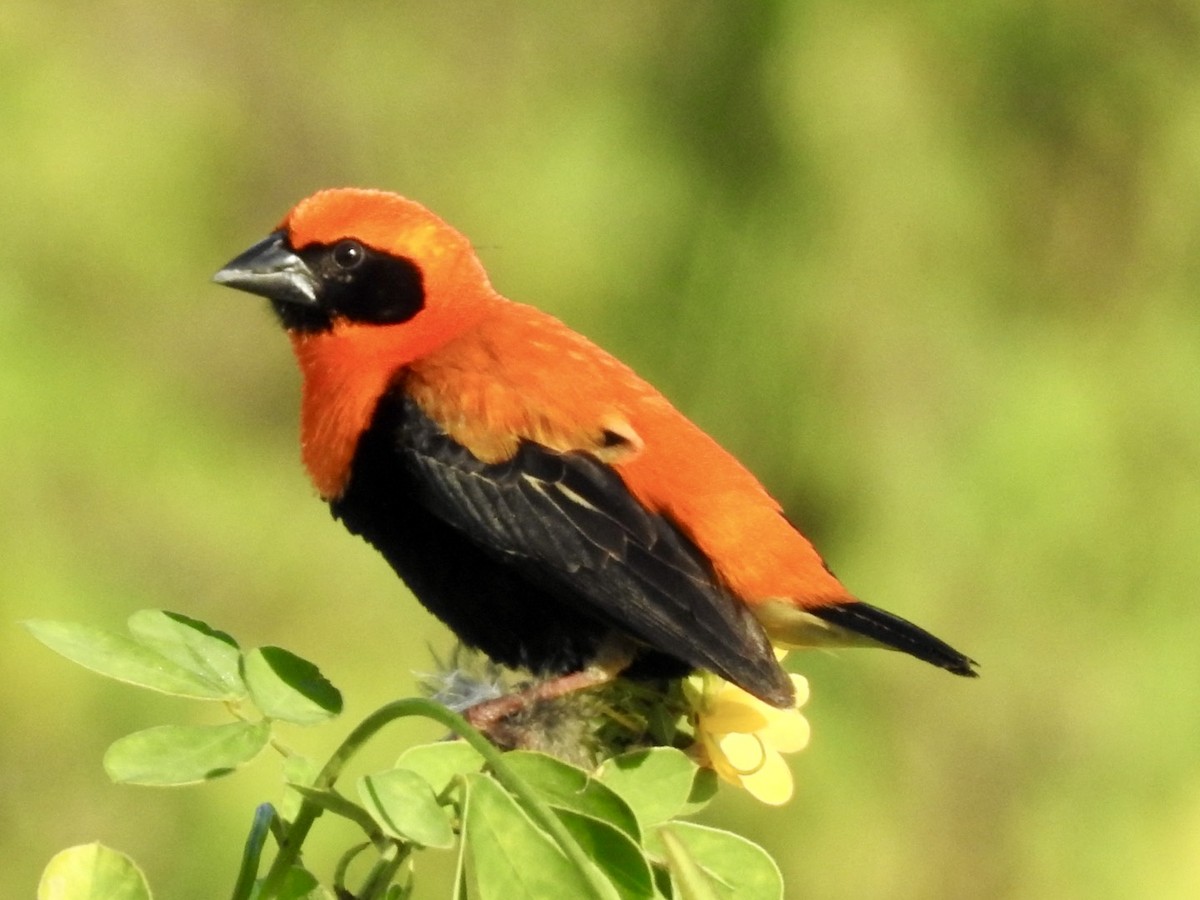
[{"x": 490, "y": 714}]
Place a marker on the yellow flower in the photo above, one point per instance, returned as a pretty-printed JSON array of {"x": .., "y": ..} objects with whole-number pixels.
[{"x": 744, "y": 739}]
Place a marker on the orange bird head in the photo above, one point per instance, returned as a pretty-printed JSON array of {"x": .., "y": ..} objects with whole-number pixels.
[
  {"x": 336, "y": 238},
  {"x": 425, "y": 287}
]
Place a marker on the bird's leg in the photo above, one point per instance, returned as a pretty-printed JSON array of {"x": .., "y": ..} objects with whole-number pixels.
[
  {"x": 486, "y": 714},
  {"x": 612, "y": 660}
]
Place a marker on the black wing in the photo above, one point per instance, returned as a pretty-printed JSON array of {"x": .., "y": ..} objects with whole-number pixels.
[{"x": 568, "y": 522}]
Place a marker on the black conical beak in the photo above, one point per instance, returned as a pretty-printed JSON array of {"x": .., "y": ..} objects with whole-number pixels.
[{"x": 270, "y": 269}]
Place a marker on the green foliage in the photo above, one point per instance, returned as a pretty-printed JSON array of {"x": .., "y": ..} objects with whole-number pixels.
[
  {"x": 524, "y": 825},
  {"x": 406, "y": 808},
  {"x": 723, "y": 863},
  {"x": 92, "y": 872},
  {"x": 510, "y": 856},
  {"x": 173, "y": 654},
  {"x": 154, "y": 657},
  {"x": 185, "y": 754},
  {"x": 677, "y": 791},
  {"x": 289, "y": 688},
  {"x": 567, "y": 788}
]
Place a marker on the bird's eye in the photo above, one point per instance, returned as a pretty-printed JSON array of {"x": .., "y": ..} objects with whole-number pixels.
[{"x": 348, "y": 254}]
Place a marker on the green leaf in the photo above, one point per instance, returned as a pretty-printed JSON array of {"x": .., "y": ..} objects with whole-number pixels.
[
  {"x": 704, "y": 788},
  {"x": 297, "y": 770},
  {"x": 662, "y": 882},
  {"x": 737, "y": 868},
  {"x": 566, "y": 787},
  {"x": 184, "y": 754},
  {"x": 92, "y": 872},
  {"x": 209, "y": 653},
  {"x": 300, "y": 884},
  {"x": 690, "y": 879},
  {"x": 510, "y": 858},
  {"x": 125, "y": 659},
  {"x": 403, "y": 803},
  {"x": 655, "y": 783},
  {"x": 439, "y": 763},
  {"x": 618, "y": 856},
  {"x": 289, "y": 688}
]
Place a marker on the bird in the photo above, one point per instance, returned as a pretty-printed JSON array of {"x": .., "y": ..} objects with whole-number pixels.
[{"x": 542, "y": 500}]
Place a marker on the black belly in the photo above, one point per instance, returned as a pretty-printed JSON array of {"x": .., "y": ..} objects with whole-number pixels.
[{"x": 487, "y": 601}]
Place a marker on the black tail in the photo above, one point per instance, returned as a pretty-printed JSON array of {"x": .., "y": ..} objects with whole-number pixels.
[{"x": 897, "y": 633}]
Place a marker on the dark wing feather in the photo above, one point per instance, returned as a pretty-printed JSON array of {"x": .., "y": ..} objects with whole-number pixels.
[{"x": 569, "y": 523}]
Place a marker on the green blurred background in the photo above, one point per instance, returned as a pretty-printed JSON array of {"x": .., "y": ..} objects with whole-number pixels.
[{"x": 929, "y": 269}]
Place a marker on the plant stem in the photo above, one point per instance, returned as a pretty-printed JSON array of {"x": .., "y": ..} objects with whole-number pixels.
[
  {"x": 384, "y": 870},
  {"x": 343, "y": 866}
]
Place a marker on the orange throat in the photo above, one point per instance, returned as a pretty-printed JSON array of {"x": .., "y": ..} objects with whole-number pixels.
[{"x": 345, "y": 373}]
